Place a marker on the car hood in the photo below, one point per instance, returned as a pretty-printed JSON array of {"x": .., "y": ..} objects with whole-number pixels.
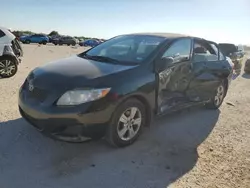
[{"x": 74, "y": 72}]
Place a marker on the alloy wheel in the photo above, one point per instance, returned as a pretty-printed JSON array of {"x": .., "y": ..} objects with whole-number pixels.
[
  {"x": 7, "y": 68},
  {"x": 129, "y": 123},
  {"x": 219, "y": 95}
]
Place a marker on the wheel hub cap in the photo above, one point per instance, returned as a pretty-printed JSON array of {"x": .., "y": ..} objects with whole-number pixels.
[
  {"x": 219, "y": 95},
  {"x": 6, "y": 67},
  {"x": 129, "y": 123}
]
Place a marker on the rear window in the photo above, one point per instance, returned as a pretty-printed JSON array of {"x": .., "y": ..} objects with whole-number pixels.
[{"x": 2, "y": 34}]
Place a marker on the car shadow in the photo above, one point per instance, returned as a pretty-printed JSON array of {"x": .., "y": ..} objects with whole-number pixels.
[
  {"x": 245, "y": 75},
  {"x": 164, "y": 153}
]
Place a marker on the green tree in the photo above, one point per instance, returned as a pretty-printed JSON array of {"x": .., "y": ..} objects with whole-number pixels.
[{"x": 53, "y": 33}]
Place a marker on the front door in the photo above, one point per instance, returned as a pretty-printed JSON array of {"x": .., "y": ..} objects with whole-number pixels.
[{"x": 174, "y": 80}]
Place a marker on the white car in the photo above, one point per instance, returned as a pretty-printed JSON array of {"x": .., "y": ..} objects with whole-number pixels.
[{"x": 10, "y": 53}]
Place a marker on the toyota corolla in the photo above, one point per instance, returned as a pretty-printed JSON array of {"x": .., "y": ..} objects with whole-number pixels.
[{"x": 113, "y": 89}]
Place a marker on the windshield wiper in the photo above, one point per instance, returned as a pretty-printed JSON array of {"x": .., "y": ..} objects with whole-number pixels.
[{"x": 102, "y": 58}]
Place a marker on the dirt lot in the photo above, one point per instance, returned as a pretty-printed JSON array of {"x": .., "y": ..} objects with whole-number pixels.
[{"x": 195, "y": 148}]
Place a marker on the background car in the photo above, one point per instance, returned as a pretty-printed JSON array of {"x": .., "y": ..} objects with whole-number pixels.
[
  {"x": 241, "y": 51},
  {"x": 68, "y": 40},
  {"x": 54, "y": 39},
  {"x": 231, "y": 50},
  {"x": 90, "y": 42},
  {"x": 247, "y": 66},
  {"x": 36, "y": 38}
]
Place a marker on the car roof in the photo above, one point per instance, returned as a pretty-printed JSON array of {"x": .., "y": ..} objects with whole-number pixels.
[
  {"x": 165, "y": 35},
  {"x": 8, "y": 35}
]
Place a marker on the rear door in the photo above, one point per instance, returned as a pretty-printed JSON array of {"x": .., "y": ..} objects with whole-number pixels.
[{"x": 208, "y": 70}]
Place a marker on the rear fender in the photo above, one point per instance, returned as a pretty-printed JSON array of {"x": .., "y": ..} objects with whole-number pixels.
[
  {"x": 12, "y": 56},
  {"x": 1, "y": 50}
]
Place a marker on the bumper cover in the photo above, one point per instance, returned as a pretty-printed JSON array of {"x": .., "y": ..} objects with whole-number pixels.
[{"x": 65, "y": 124}]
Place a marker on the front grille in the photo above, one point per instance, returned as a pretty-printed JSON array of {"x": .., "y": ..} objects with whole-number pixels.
[{"x": 38, "y": 94}]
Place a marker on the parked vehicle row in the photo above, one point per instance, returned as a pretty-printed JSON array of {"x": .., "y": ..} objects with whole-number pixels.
[
  {"x": 58, "y": 40},
  {"x": 114, "y": 89},
  {"x": 10, "y": 53}
]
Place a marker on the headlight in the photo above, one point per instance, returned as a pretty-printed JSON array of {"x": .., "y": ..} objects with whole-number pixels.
[{"x": 76, "y": 97}]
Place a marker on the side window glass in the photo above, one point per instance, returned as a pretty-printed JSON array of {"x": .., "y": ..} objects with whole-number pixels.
[
  {"x": 204, "y": 51},
  {"x": 179, "y": 50},
  {"x": 222, "y": 57},
  {"x": 2, "y": 34},
  {"x": 217, "y": 52}
]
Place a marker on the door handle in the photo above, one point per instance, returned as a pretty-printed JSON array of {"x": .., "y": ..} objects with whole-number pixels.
[{"x": 191, "y": 66}]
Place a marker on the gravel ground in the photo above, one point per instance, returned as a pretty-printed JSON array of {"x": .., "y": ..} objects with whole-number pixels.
[{"x": 194, "y": 148}]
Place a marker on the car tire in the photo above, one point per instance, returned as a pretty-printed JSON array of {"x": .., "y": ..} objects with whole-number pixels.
[
  {"x": 126, "y": 123},
  {"x": 27, "y": 41},
  {"x": 11, "y": 64},
  {"x": 218, "y": 98},
  {"x": 44, "y": 42}
]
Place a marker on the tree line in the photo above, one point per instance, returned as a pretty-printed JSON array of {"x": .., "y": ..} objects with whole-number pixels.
[{"x": 19, "y": 33}]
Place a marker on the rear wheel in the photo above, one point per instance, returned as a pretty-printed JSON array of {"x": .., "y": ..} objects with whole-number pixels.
[
  {"x": 27, "y": 41},
  {"x": 218, "y": 97},
  {"x": 127, "y": 123},
  {"x": 8, "y": 67},
  {"x": 44, "y": 42}
]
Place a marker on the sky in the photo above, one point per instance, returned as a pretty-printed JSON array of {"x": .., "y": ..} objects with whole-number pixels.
[{"x": 217, "y": 20}]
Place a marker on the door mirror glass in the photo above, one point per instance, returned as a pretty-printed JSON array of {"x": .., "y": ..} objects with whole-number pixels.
[{"x": 164, "y": 63}]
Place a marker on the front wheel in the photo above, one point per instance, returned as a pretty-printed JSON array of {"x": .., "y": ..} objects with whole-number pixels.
[
  {"x": 8, "y": 67},
  {"x": 217, "y": 99},
  {"x": 27, "y": 41},
  {"x": 127, "y": 123}
]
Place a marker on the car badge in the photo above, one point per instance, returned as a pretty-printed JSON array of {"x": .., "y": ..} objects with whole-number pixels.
[{"x": 31, "y": 86}]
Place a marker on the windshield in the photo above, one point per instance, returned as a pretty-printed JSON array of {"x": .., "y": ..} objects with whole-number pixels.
[
  {"x": 129, "y": 48},
  {"x": 228, "y": 48}
]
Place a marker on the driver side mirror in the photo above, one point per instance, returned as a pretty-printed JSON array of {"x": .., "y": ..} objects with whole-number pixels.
[{"x": 162, "y": 64}]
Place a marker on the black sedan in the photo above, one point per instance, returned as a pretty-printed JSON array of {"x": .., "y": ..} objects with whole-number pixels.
[
  {"x": 115, "y": 88},
  {"x": 65, "y": 40}
]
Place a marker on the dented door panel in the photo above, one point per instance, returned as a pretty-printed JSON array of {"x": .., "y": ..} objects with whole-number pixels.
[{"x": 173, "y": 83}]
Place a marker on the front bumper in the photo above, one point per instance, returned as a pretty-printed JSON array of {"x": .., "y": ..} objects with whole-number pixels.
[{"x": 73, "y": 124}]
